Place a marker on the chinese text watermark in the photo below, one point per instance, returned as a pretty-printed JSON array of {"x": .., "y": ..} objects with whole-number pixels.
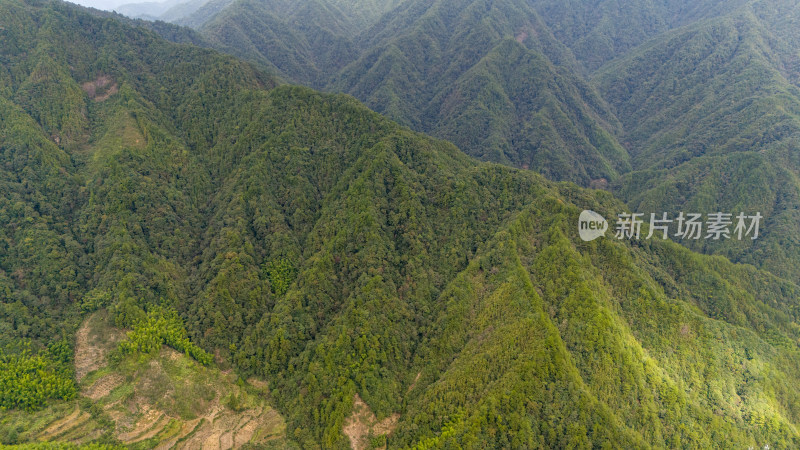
[{"x": 713, "y": 226}]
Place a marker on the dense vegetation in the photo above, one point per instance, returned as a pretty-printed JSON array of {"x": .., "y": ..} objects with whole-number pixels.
[
  {"x": 490, "y": 77},
  {"x": 598, "y": 32},
  {"x": 160, "y": 327},
  {"x": 63, "y": 446},
  {"x": 28, "y": 381},
  {"x": 703, "y": 95},
  {"x": 307, "y": 241},
  {"x": 717, "y": 129},
  {"x": 301, "y": 41},
  {"x": 440, "y": 72}
]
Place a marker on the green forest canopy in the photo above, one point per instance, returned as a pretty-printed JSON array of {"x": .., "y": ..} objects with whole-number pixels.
[{"x": 306, "y": 240}]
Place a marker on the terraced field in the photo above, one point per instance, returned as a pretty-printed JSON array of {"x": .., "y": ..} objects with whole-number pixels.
[{"x": 168, "y": 402}]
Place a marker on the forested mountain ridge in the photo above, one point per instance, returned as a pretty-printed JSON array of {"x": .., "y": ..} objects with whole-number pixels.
[
  {"x": 718, "y": 128},
  {"x": 154, "y": 10},
  {"x": 302, "y": 41},
  {"x": 598, "y": 32},
  {"x": 439, "y": 68},
  {"x": 490, "y": 77},
  {"x": 702, "y": 94},
  {"x": 303, "y": 239},
  {"x": 195, "y": 13}
]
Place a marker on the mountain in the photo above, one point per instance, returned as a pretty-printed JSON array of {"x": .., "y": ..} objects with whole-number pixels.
[
  {"x": 490, "y": 77},
  {"x": 439, "y": 72},
  {"x": 173, "y": 11},
  {"x": 73, "y": 117},
  {"x": 387, "y": 288},
  {"x": 304, "y": 42},
  {"x": 300, "y": 41},
  {"x": 182, "y": 10},
  {"x": 505, "y": 82},
  {"x": 366, "y": 13},
  {"x": 598, "y": 32},
  {"x": 150, "y": 10},
  {"x": 717, "y": 128},
  {"x": 195, "y": 13}
]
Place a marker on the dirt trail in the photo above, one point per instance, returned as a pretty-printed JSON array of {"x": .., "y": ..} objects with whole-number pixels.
[
  {"x": 245, "y": 433},
  {"x": 211, "y": 433},
  {"x": 186, "y": 429},
  {"x": 224, "y": 429},
  {"x": 158, "y": 427}
]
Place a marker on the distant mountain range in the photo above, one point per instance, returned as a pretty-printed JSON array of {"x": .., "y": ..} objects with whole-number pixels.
[{"x": 671, "y": 105}]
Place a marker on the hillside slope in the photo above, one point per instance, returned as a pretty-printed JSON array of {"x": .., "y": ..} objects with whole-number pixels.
[
  {"x": 718, "y": 128},
  {"x": 490, "y": 77},
  {"x": 598, "y": 32},
  {"x": 353, "y": 265},
  {"x": 700, "y": 94},
  {"x": 166, "y": 400},
  {"x": 448, "y": 68},
  {"x": 301, "y": 41}
]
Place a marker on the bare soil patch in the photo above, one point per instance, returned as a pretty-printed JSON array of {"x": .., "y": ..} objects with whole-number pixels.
[
  {"x": 100, "y": 89},
  {"x": 414, "y": 383},
  {"x": 93, "y": 342},
  {"x": 362, "y": 423},
  {"x": 88, "y": 358}
]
